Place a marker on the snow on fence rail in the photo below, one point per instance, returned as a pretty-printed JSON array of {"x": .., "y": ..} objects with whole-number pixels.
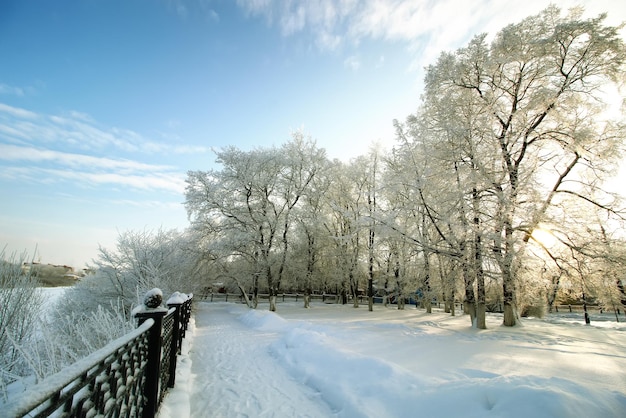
[{"x": 127, "y": 377}]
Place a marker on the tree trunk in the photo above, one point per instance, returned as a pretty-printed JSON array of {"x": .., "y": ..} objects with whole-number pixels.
[
  {"x": 622, "y": 293},
  {"x": 272, "y": 302},
  {"x": 452, "y": 296},
  {"x": 470, "y": 309},
  {"x": 354, "y": 289},
  {"x": 587, "y": 319},
  {"x": 244, "y": 295},
  {"x": 310, "y": 266},
  {"x": 508, "y": 276},
  {"x": 428, "y": 303},
  {"x": 444, "y": 285},
  {"x": 255, "y": 291},
  {"x": 556, "y": 279},
  {"x": 399, "y": 288},
  {"x": 510, "y": 314},
  {"x": 481, "y": 322},
  {"x": 370, "y": 280},
  {"x": 427, "y": 292},
  {"x": 469, "y": 305}
]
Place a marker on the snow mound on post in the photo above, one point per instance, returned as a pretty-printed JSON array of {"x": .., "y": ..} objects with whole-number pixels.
[
  {"x": 177, "y": 298},
  {"x": 153, "y": 298}
]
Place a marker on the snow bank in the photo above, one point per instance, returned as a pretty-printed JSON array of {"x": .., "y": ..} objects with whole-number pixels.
[
  {"x": 263, "y": 320},
  {"x": 358, "y": 386},
  {"x": 355, "y": 385}
]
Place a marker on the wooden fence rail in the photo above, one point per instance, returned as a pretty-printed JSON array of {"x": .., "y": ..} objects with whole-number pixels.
[{"x": 127, "y": 378}]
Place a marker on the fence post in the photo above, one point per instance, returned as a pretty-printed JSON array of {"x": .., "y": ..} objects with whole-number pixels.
[
  {"x": 175, "y": 301},
  {"x": 152, "y": 309},
  {"x": 185, "y": 316}
]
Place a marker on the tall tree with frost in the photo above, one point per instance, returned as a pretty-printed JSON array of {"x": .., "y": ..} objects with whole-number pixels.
[
  {"x": 538, "y": 83},
  {"x": 347, "y": 219},
  {"x": 303, "y": 162},
  {"x": 236, "y": 202},
  {"x": 372, "y": 210},
  {"x": 311, "y": 218},
  {"x": 250, "y": 202},
  {"x": 429, "y": 174}
]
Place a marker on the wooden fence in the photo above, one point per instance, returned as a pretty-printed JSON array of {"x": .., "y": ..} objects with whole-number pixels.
[{"x": 127, "y": 378}]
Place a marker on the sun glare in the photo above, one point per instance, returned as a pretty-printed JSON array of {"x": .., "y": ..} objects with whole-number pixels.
[{"x": 544, "y": 237}]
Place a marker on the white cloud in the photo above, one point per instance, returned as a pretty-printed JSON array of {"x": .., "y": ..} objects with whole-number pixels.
[
  {"x": 81, "y": 116},
  {"x": 17, "y": 112},
  {"x": 47, "y": 166},
  {"x": 154, "y": 181},
  {"x": 213, "y": 15},
  {"x": 352, "y": 62},
  {"x": 18, "y": 153},
  {"x": 253, "y": 7},
  {"x": 80, "y": 131},
  {"x": 39, "y": 148},
  {"x": 180, "y": 7},
  {"x": 295, "y": 21},
  {"x": 427, "y": 26},
  {"x": 328, "y": 41},
  {"x": 10, "y": 90}
]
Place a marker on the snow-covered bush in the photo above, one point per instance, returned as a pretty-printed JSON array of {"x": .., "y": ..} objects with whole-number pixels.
[
  {"x": 143, "y": 260},
  {"x": 20, "y": 306},
  {"x": 66, "y": 336},
  {"x": 97, "y": 309}
]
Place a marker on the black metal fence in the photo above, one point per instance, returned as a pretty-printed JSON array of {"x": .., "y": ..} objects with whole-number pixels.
[{"x": 127, "y": 378}]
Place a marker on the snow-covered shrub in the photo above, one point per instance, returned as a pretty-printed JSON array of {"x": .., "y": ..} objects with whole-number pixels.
[
  {"x": 20, "y": 306},
  {"x": 143, "y": 260},
  {"x": 97, "y": 309},
  {"x": 67, "y": 336}
]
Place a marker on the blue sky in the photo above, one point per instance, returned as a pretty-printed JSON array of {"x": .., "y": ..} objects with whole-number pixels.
[{"x": 105, "y": 105}]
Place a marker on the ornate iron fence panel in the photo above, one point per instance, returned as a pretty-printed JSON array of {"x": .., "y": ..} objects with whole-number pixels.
[
  {"x": 106, "y": 383},
  {"x": 128, "y": 377}
]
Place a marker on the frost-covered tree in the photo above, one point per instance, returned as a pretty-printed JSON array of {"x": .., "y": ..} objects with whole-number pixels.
[
  {"x": 348, "y": 223},
  {"x": 535, "y": 96},
  {"x": 249, "y": 203},
  {"x": 312, "y": 242},
  {"x": 430, "y": 179},
  {"x": 140, "y": 261}
]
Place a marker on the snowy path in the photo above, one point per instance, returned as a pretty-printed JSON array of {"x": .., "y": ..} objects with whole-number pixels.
[
  {"x": 337, "y": 361},
  {"x": 233, "y": 374}
]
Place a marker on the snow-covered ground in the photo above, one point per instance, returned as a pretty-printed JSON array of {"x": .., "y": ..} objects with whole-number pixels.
[{"x": 334, "y": 360}]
